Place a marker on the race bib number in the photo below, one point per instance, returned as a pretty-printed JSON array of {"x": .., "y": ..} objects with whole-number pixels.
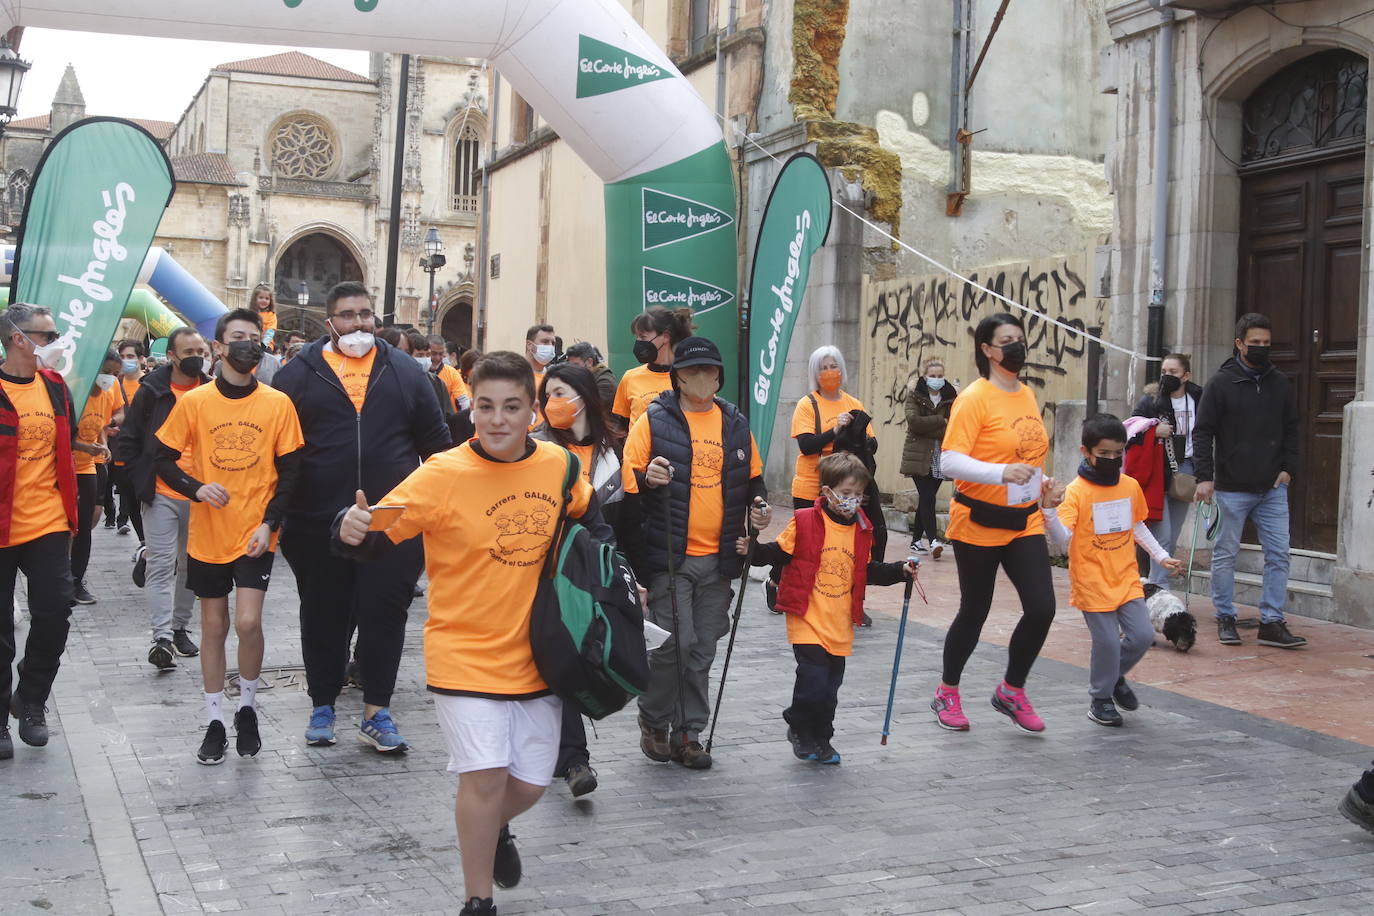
[
  {"x": 1018, "y": 494},
  {"x": 1112, "y": 517}
]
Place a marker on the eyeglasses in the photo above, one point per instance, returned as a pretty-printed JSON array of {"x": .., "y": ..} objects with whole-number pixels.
[
  {"x": 48, "y": 337},
  {"x": 364, "y": 315}
]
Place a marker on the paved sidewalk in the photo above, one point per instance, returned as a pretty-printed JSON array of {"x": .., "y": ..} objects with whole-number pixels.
[{"x": 1192, "y": 808}]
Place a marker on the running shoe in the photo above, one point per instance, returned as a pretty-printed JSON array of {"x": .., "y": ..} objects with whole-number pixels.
[
  {"x": 216, "y": 742},
  {"x": 478, "y": 906},
  {"x": 1015, "y": 705},
  {"x": 140, "y": 565},
  {"x": 1125, "y": 697},
  {"x": 1356, "y": 810},
  {"x": 1103, "y": 712},
  {"x": 124, "y": 528},
  {"x": 949, "y": 711},
  {"x": 160, "y": 655},
  {"x": 184, "y": 645},
  {"x": 81, "y": 595},
  {"x": 506, "y": 870},
  {"x": 320, "y": 731},
  {"x": 33, "y": 721},
  {"x": 803, "y": 746},
  {"x": 920, "y": 546},
  {"x": 247, "y": 742},
  {"x": 109, "y": 523},
  {"x": 381, "y": 733},
  {"x": 936, "y": 548},
  {"x": 826, "y": 754}
]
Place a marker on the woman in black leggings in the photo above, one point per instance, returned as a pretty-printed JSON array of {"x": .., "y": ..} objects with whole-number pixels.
[{"x": 994, "y": 448}]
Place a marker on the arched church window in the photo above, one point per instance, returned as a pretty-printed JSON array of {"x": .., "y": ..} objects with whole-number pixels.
[
  {"x": 1316, "y": 103},
  {"x": 303, "y": 146},
  {"x": 16, "y": 195},
  {"x": 467, "y": 171}
]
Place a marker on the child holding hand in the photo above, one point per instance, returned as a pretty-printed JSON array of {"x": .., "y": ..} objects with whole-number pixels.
[{"x": 825, "y": 553}]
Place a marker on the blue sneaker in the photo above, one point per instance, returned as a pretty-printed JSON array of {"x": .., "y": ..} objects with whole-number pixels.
[
  {"x": 380, "y": 732},
  {"x": 320, "y": 732},
  {"x": 826, "y": 754}
]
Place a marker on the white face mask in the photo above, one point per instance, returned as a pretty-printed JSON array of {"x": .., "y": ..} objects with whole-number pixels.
[
  {"x": 49, "y": 356},
  {"x": 357, "y": 344},
  {"x": 544, "y": 354},
  {"x": 104, "y": 381},
  {"x": 424, "y": 362}
]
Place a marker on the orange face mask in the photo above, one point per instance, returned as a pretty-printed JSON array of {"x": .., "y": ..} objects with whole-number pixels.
[
  {"x": 830, "y": 380},
  {"x": 561, "y": 412}
]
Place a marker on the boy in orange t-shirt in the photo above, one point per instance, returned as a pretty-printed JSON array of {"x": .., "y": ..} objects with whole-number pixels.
[
  {"x": 1100, "y": 517},
  {"x": 488, "y": 510},
  {"x": 244, "y": 442},
  {"x": 827, "y": 554}
]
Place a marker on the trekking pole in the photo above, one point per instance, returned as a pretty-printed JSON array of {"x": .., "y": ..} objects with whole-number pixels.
[
  {"x": 734, "y": 627},
  {"x": 672, "y": 600},
  {"x": 897, "y": 658}
]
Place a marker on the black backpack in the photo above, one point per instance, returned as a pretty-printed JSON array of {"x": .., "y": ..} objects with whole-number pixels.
[{"x": 586, "y": 625}]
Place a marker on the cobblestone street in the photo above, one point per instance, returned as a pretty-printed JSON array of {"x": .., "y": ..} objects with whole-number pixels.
[{"x": 1192, "y": 808}]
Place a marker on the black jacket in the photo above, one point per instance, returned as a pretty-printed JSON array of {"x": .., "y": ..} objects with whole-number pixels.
[
  {"x": 138, "y": 445},
  {"x": 1156, "y": 406},
  {"x": 1247, "y": 429},
  {"x": 346, "y": 450}
]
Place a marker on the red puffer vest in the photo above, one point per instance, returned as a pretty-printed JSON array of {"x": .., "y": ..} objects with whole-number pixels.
[
  {"x": 799, "y": 578},
  {"x": 9, "y": 451}
]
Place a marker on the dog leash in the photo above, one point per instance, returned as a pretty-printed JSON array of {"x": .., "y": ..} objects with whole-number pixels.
[{"x": 1204, "y": 511}]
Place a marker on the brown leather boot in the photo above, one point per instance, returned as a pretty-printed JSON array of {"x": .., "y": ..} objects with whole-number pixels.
[
  {"x": 690, "y": 754},
  {"x": 654, "y": 743}
]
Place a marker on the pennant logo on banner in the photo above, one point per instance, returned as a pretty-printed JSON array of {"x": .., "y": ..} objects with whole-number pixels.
[
  {"x": 669, "y": 218},
  {"x": 94, "y": 206},
  {"x": 795, "y": 224},
  {"x": 674, "y": 291},
  {"x": 603, "y": 68}
]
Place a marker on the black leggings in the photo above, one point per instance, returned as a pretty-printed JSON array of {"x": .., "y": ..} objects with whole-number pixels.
[
  {"x": 87, "y": 490},
  {"x": 927, "y": 489},
  {"x": 1026, "y": 561},
  {"x": 129, "y": 509}
]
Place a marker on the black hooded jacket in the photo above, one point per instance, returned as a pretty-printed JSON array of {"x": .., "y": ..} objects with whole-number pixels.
[
  {"x": 137, "y": 445},
  {"x": 1247, "y": 429}
]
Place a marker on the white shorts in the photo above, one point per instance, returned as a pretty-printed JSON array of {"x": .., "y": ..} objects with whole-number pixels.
[{"x": 519, "y": 735}]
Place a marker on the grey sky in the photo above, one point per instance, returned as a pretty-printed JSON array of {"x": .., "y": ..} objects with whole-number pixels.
[{"x": 137, "y": 77}]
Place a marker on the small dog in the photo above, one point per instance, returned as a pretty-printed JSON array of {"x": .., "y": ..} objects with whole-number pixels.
[{"x": 1170, "y": 617}]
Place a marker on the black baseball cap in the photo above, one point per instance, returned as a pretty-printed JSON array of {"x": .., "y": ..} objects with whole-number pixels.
[{"x": 696, "y": 351}]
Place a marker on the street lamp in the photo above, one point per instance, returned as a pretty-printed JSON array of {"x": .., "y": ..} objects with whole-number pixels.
[
  {"x": 302, "y": 300},
  {"x": 430, "y": 263},
  {"x": 12, "y": 71}
]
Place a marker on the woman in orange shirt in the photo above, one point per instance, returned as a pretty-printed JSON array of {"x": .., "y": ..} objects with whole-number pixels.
[
  {"x": 994, "y": 448},
  {"x": 657, "y": 331}
]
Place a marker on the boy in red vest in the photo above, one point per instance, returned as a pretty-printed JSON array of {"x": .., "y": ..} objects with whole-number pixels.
[{"x": 824, "y": 551}]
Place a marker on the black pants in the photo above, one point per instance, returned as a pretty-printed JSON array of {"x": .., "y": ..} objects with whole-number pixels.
[
  {"x": 816, "y": 693},
  {"x": 130, "y": 512},
  {"x": 87, "y": 489},
  {"x": 333, "y": 590},
  {"x": 1026, "y": 561},
  {"x": 105, "y": 492},
  {"x": 927, "y": 489},
  {"x": 46, "y": 563},
  {"x": 572, "y": 742}
]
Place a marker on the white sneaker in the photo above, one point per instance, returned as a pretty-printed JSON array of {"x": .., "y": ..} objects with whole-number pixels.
[
  {"x": 936, "y": 548},
  {"x": 920, "y": 546}
]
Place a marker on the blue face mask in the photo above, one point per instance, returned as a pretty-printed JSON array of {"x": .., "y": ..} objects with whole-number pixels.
[
  {"x": 935, "y": 384},
  {"x": 130, "y": 366}
]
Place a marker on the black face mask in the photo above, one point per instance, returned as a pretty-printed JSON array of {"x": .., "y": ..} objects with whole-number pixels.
[
  {"x": 243, "y": 355},
  {"x": 1103, "y": 471},
  {"x": 1257, "y": 356},
  {"x": 1014, "y": 356},
  {"x": 645, "y": 351},
  {"x": 192, "y": 366},
  {"x": 1168, "y": 384}
]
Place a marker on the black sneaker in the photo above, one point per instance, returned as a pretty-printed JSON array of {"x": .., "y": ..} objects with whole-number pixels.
[
  {"x": 478, "y": 906},
  {"x": 80, "y": 594},
  {"x": 184, "y": 645},
  {"x": 803, "y": 747},
  {"x": 867, "y": 621},
  {"x": 140, "y": 566},
  {"x": 248, "y": 742},
  {"x": 1276, "y": 634},
  {"x": 1125, "y": 697},
  {"x": 1356, "y": 810},
  {"x": 581, "y": 779},
  {"x": 505, "y": 872},
  {"x": 109, "y": 523},
  {"x": 1103, "y": 712},
  {"x": 6, "y": 742},
  {"x": 214, "y": 745},
  {"x": 160, "y": 655},
  {"x": 1226, "y": 631},
  {"x": 33, "y": 721}
]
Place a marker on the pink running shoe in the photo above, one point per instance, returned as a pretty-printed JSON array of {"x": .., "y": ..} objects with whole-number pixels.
[
  {"x": 1015, "y": 705},
  {"x": 949, "y": 712}
]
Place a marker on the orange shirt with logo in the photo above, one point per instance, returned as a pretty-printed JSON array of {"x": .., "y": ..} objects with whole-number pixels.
[
  {"x": 829, "y": 621},
  {"x": 806, "y": 482},
  {"x": 1102, "y": 566},
  {"x": 998, "y": 427},
  {"x": 100, "y": 408},
  {"x": 185, "y": 463},
  {"x": 487, "y": 526},
  {"x": 353, "y": 372},
  {"x": 706, "y": 511},
  {"x": 453, "y": 381},
  {"x": 638, "y": 388},
  {"x": 40, "y": 511},
  {"x": 233, "y": 442}
]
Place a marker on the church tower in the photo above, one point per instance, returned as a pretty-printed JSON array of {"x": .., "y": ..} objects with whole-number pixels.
[{"x": 68, "y": 105}]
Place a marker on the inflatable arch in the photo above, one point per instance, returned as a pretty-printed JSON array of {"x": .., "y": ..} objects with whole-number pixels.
[{"x": 589, "y": 70}]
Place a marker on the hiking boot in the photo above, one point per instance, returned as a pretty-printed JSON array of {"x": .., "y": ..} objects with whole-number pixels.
[
  {"x": 33, "y": 722},
  {"x": 478, "y": 906},
  {"x": 215, "y": 743},
  {"x": 160, "y": 655},
  {"x": 1226, "y": 631},
  {"x": 949, "y": 711},
  {"x": 691, "y": 754},
  {"x": 1015, "y": 705},
  {"x": 1125, "y": 697},
  {"x": 81, "y": 595},
  {"x": 247, "y": 740},
  {"x": 184, "y": 645},
  {"x": 826, "y": 754},
  {"x": 1276, "y": 634},
  {"x": 6, "y": 742},
  {"x": 803, "y": 746},
  {"x": 140, "y": 566},
  {"x": 380, "y": 732},
  {"x": 581, "y": 779},
  {"x": 1103, "y": 712},
  {"x": 1356, "y": 810},
  {"x": 320, "y": 731},
  {"x": 654, "y": 743},
  {"x": 506, "y": 871}
]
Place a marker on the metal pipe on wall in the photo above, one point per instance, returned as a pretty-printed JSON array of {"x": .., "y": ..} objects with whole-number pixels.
[
  {"x": 1159, "y": 235},
  {"x": 483, "y": 239}
]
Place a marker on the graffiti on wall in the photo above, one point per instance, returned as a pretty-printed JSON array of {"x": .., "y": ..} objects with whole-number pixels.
[{"x": 911, "y": 319}]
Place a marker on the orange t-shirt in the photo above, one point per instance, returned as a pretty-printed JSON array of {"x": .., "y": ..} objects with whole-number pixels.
[
  {"x": 453, "y": 381},
  {"x": 806, "y": 482},
  {"x": 353, "y": 372},
  {"x": 233, "y": 442},
  {"x": 829, "y": 621},
  {"x": 40, "y": 511},
  {"x": 1102, "y": 567},
  {"x": 706, "y": 512},
  {"x": 998, "y": 427},
  {"x": 638, "y": 387},
  {"x": 487, "y": 526},
  {"x": 185, "y": 463},
  {"x": 584, "y": 455},
  {"x": 130, "y": 386},
  {"x": 100, "y": 407}
]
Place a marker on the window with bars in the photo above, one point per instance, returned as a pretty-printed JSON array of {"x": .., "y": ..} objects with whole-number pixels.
[
  {"x": 698, "y": 25},
  {"x": 1316, "y": 103},
  {"x": 467, "y": 171}
]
